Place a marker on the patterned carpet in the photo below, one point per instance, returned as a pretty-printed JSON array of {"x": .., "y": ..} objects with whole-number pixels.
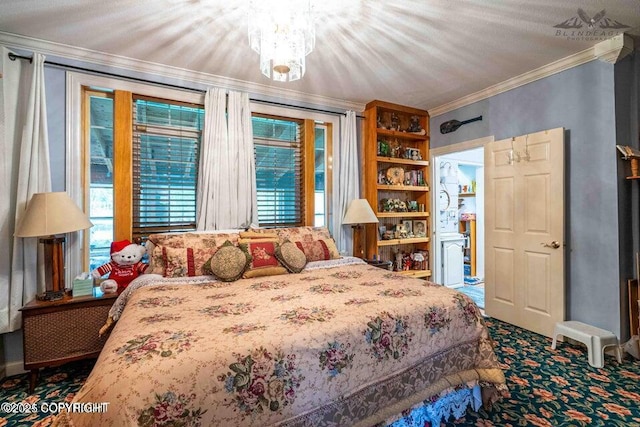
[{"x": 549, "y": 388}]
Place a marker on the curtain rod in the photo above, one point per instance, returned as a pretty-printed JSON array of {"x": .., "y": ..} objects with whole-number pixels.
[{"x": 13, "y": 57}]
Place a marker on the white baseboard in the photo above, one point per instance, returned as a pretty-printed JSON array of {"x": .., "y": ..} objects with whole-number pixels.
[{"x": 14, "y": 368}]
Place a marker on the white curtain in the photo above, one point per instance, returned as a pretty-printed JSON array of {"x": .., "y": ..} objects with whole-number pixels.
[
  {"x": 226, "y": 183},
  {"x": 241, "y": 142},
  {"x": 215, "y": 135},
  {"x": 24, "y": 148},
  {"x": 346, "y": 180}
]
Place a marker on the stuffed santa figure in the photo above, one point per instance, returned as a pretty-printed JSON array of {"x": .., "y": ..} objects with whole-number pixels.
[{"x": 125, "y": 266}]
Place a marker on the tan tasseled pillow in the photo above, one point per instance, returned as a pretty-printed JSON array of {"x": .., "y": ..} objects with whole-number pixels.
[
  {"x": 291, "y": 256},
  {"x": 229, "y": 262}
]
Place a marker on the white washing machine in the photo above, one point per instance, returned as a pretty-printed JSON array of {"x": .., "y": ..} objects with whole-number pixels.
[{"x": 452, "y": 255}]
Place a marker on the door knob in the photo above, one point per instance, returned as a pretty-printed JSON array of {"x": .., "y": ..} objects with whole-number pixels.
[{"x": 554, "y": 244}]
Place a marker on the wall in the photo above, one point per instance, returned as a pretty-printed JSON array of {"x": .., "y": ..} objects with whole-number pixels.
[
  {"x": 627, "y": 104},
  {"x": 582, "y": 101}
]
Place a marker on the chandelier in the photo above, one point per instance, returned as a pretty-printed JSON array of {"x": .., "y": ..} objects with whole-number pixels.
[{"x": 282, "y": 32}]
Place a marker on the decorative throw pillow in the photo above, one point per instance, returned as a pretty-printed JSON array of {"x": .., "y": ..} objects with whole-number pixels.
[
  {"x": 319, "y": 250},
  {"x": 304, "y": 233},
  {"x": 228, "y": 263},
  {"x": 292, "y": 257},
  {"x": 209, "y": 240},
  {"x": 263, "y": 260},
  {"x": 263, "y": 234},
  {"x": 156, "y": 263},
  {"x": 181, "y": 262}
]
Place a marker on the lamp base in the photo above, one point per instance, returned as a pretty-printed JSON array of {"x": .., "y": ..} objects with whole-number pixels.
[
  {"x": 53, "y": 264},
  {"x": 50, "y": 296},
  {"x": 358, "y": 235}
]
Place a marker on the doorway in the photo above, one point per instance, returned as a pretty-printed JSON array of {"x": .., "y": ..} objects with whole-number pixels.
[{"x": 458, "y": 217}]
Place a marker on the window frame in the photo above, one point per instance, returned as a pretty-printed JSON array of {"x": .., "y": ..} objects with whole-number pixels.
[
  {"x": 303, "y": 175},
  {"x": 87, "y": 94},
  {"x": 310, "y": 119},
  {"x": 135, "y": 231},
  {"x": 77, "y": 254},
  {"x": 327, "y": 149}
]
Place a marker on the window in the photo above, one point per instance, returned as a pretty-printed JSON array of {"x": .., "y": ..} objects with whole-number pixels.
[
  {"x": 100, "y": 175},
  {"x": 320, "y": 172},
  {"x": 279, "y": 187},
  {"x": 166, "y": 144},
  {"x": 139, "y": 163},
  {"x": 164, "y": 154}
]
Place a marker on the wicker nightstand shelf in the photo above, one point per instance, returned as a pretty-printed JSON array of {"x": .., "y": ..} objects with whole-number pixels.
[{"x": 57, "y": 332}]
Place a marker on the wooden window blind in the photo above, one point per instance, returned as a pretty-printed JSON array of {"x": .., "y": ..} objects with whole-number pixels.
[
  {"x": 279, "y": 171},
  {"x": 166, "y": 145}
]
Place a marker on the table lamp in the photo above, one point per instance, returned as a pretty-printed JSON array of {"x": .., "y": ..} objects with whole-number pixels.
[
  {"x": 359, "y": 212},
  {"x": 48, "y": 214}
]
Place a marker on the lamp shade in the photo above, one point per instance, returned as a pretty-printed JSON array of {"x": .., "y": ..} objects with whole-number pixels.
[
  {"x": 48, "y": 214},
  {"x": 359, "y": 212}
]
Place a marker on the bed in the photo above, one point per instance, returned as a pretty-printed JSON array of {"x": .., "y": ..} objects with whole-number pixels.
[{"x": 340, "y": 343}]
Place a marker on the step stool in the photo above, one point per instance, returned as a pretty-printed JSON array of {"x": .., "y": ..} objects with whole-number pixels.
[{"x": 595, "y": 339}]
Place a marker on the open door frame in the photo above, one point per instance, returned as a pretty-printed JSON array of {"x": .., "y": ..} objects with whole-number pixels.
[{"x": 436, "y": 257}]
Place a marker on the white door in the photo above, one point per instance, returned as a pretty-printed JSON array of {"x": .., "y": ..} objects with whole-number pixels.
[
  {"x": 524, "y": 230},
  {"x": 453, "y": 263}
]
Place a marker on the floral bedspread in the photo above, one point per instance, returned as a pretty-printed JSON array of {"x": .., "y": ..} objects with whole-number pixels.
[{"x": 347, "y": 345}]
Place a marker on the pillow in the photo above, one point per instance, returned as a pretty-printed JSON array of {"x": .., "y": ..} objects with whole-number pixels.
[
  {"x": 258, "y": 240},
  {"x": 182, "y": 262},
  {"x": 228, "y": 263},
  {"x": 196, "y": 240},
  {"x": 263, "y": 260},
  {"x": 292, "y": 257},
  {"x": 319, "y": 250},
  {"x": 303, "y": 234},
  {"x": 265, "y": 234}
]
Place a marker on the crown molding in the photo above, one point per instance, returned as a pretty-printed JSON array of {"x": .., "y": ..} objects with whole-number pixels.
[
  {"x": 89, "y": 56},
  {"x": 563, "y": 64},
  {"x": 614, "y": 49}
]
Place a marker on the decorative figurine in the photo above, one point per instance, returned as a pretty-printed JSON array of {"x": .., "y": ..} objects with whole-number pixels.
[
  {"x": 395, "y": 122},
  {"x": 398, "y": 266},
  {"x": 384, "y": 150},
  {"x": 395, "y": 149},
  {"x": 414, "y": 125},
  {"x": 393, "y": 205}
]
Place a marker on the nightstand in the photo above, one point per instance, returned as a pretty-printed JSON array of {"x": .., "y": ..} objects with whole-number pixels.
[{"x": 57, "y": 332}]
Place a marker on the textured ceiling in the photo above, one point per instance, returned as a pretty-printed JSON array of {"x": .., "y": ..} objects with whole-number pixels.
[{"x": 420, "y": 53}]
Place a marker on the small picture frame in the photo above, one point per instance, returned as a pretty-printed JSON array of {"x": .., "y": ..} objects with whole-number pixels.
[
  {"x": 408, "y": 226},
  {"x": 381, "y": 229},
  {"x": 400, "y": 232},
  {"x": 420, "y": 228}
]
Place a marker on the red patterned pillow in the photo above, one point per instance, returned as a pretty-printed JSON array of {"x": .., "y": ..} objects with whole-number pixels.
[
  {"x": 319, "y": 250},
  {"x": 264, "y": 261},
  {"x": 182, "y": 262}
]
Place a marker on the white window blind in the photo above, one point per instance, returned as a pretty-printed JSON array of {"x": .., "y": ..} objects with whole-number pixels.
[
  {"x": 279, "y": 165},
  {"x": 166, "y": 142}
]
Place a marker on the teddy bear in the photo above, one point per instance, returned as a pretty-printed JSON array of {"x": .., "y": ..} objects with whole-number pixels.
[{"x": 125, "y": 265}]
